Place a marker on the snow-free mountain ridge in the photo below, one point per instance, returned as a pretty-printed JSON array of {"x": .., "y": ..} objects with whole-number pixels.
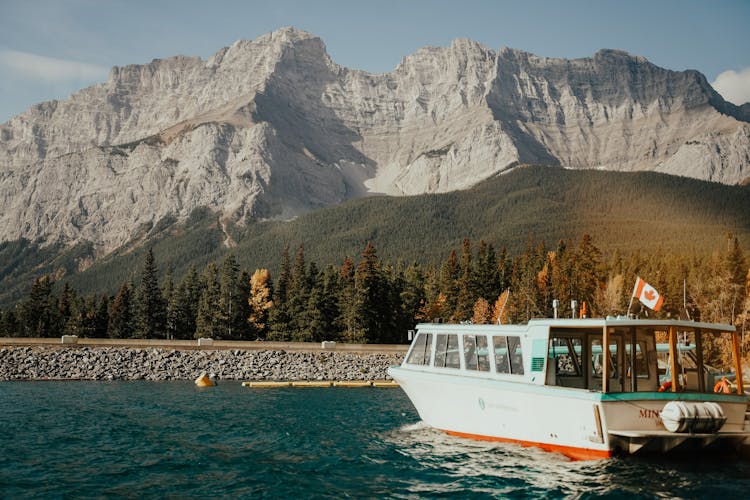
[{"x": 273, "y": 127}]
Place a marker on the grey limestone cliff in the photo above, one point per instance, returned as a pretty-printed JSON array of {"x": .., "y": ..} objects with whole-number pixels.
[{"x": 273, "y": 127}]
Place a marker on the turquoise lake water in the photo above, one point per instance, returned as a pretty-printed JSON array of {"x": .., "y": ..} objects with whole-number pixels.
[{"x": 174, "y": 440}]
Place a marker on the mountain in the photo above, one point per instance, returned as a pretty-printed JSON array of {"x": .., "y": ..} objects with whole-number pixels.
[
  {"x": 273, "y": 128},
  {"x": 623, "y": 211}
]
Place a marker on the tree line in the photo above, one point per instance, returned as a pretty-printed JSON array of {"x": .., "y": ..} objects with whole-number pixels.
[{"x": 370, "y": 301}]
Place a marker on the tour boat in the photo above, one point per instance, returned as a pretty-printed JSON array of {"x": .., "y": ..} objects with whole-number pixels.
[{"x": 547, "y": 384}]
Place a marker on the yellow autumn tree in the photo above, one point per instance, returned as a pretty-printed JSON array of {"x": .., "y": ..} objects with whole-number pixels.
[
  {"x": 482, "y": 312},
  {"x": 260, "y": 300},
  {"x": 433, "y": 310}
]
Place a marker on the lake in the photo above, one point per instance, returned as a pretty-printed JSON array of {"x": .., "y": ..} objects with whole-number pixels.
[{"x": 174, "y": 440}]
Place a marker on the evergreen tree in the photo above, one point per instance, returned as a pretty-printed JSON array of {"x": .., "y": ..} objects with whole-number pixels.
[
  {"x": 101, "y": 318},
  {"x": 371, "y": 299},
  {"x": 464, "y": 293},
  {"x": 187, "y": 304},
  {"x": 413, "y": 297},
  {"x": 210, "y": 322},
  {"x": 232, "y": 313},
  {"x": 150, "y": 317},
  {"x": 242, "y": 312},
  {"x": 737, "y": 269},
  {"x": 63, "y": 307},
  {"x": 9, "y": 324},
  {"x": 449, "y": 275},
  {"x": 486, "y": 273},
  {"x": 298, "y": 297},
  {"x": 587, "y": 272},
  {"x": 279, "y": 315},
  {"x": 121, "y": 318},
  {"x": 347, "y": 319},
  {"x": 39, "y": 311},
  {"x": 328, "y": 306}
]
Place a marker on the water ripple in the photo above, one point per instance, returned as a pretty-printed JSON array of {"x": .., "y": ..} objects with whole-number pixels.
[{"x": 173, "y": 440}]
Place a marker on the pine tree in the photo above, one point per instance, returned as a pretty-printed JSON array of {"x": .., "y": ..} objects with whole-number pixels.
[
  {"x": 63, "y": 307},
  {"x": 371, "y": 299},
  {"x": 486, "y": 273},
  {"x": 232, "y": 311},
  {"x": 39, "y": 311},
  {"x": 465, "y": 295},
  {"x": 449, "y": 275},
  {"x": 413, "y": 297},
  {"x": 587, "y": 272},
  {"x": 9, "y": 324},
  {"x": 150, "y": 317},
  {"x": 298, "y": 297},
  {"x": 279, "y": 316},
  {"x": 191, "y": 295},
  {"x": 210, "y": 321},
  {"x": 121, "y": 318},
  {"x": 328, "y": 305},
  {"x": 347, "y": 319},
  {"x": 101, "y": 317},
  {"x": 242, "y": 310},
  {"x": 737, "y": 269}
]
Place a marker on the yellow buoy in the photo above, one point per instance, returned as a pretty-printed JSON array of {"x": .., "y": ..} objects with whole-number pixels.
[
  {"x": 310, "y": 383},
  {"x": 385, "y": 383},
  {"x": 204, "y": 381},
  {"x": 265, "y": 384},
  {"x": 353, "y": 383}
]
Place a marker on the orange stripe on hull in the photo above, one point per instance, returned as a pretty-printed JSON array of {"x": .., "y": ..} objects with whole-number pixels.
[{"x": 568, "y": 451}]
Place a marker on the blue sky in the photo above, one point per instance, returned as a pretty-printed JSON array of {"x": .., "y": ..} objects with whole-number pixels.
[{"x": 51, "y": 48}]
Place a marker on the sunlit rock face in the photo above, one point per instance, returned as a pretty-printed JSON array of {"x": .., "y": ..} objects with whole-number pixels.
[{"x": 272, "y": 128}]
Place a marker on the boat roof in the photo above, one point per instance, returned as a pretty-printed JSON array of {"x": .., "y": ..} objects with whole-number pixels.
[{"x": 619, "y": 321}]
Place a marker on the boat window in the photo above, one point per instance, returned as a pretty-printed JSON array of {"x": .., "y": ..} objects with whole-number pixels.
[
  {"x": 641, "y": 364},
  {"x": 516, "y": 357},
  {"x": 476, "y": 353},
  {"x": 597, "y": 364},
  {"x": 566, "y": 352},
  {"x": 446, "y": 351},
  {"x": 422, "y": 350},
  {"x": 508, "y": 355}
]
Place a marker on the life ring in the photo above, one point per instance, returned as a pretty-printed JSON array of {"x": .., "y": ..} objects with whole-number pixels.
[
  {"x": 666, "y": 386},
  {"x": 723, "y": 386}
]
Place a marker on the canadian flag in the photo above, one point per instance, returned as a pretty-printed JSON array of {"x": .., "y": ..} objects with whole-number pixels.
[{"x": 647, "y": 294}]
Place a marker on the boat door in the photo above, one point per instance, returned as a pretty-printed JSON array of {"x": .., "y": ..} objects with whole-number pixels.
[
  {"x": 632, "y": 358},
  {"x": 616, "y": 342}
]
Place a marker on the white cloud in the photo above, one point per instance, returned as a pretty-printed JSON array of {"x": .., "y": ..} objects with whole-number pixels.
[
  {"x": 50, "y": 69},
  {"x": 734, "y": 86}
]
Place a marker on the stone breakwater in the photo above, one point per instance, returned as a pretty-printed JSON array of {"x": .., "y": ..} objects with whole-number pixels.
[{"x": 118, "y": 363}]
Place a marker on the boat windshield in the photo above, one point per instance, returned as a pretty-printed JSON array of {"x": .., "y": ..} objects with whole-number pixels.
[{"x": 638, "y": 360}]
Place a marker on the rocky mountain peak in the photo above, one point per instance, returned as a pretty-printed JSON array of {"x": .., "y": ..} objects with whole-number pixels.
[{"x": 273, "y": 127}]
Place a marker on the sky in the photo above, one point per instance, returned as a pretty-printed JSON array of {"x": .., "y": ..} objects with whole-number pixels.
[{"x": 52, "y": 48}]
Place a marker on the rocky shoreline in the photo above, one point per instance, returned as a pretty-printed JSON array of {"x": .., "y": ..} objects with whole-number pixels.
[{"x": 123, "y": 363}]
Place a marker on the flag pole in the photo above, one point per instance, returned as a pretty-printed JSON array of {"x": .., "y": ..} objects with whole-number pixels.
[{"x": 632, "y": 295}]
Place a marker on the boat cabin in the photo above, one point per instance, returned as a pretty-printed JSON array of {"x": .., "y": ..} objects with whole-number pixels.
[{"x": 641, "y": 355}]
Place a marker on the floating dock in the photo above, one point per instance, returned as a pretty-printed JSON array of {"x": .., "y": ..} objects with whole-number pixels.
[{"x": 261, "y": 384}]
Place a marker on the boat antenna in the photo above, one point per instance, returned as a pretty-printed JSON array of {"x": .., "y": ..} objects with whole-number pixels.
[
  {"x": 684, "y": 300},
  {"x": 502, "y": 308}
]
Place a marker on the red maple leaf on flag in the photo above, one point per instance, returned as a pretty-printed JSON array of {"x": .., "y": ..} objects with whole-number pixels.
[{"x": 649, "y": 294}]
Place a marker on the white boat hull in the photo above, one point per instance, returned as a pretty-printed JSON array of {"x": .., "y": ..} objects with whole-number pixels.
[{"x": 577, "y": 423}]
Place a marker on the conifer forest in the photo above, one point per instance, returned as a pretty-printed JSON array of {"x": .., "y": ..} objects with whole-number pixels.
[{"x": 366, "y": 300}]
